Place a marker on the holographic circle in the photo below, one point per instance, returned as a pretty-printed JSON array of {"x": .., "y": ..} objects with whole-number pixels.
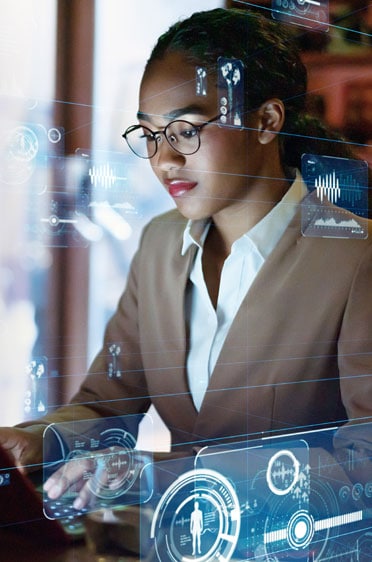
[
  {"x": 54, "y": 135},
  {"x": 357, "y": 491},
  {"x": 197, "y": 518},
  {"x": 116, "y": 465},
  {"x": 282, "y": 472},
  {"x": 344, "y": 493},
  {"x": 368, "y": 489},
  {"x": 300, "y": 530},
  {"x": 24, "y": 144}
]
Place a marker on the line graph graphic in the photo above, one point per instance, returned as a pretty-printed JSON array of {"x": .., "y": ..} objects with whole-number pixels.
[{"x": 340, "y": 224}]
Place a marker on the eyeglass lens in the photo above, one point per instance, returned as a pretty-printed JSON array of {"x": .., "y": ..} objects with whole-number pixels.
[{"x": 181, "y": 135}]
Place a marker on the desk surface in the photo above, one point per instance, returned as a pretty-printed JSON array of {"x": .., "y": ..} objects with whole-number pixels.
[{"x": 14, "y": 548}]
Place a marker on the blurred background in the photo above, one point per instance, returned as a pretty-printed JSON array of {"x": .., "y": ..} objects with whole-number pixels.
[{"x": 74, "y": 200}]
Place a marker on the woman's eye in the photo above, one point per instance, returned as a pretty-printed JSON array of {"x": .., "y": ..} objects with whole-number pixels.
[
  {"x": 189, "y": 133},
  {"x": 148, "y": 137}
]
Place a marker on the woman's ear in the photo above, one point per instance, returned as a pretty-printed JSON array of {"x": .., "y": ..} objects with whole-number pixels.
[{"x": 271, "y": 118}]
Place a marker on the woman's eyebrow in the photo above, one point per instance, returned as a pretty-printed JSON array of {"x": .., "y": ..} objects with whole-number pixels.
[{"x": 196, "y": 109}]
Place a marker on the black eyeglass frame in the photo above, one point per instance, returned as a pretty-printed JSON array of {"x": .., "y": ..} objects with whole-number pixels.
[{"x": 154, "y": 134}]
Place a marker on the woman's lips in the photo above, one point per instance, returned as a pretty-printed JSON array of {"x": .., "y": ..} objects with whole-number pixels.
[{"x": 176, "y": 188}]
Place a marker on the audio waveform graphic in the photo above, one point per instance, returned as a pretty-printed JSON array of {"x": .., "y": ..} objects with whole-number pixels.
[
  {"x": 338, "y": 196},
  {"x": 103, "y": 176},
  {"x": 328, "y": 186},
  {"x": 336, "y": 187}
]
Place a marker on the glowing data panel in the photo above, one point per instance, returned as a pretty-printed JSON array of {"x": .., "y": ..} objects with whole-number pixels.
[
  {"x": 280, "y": 499},
  {"x": 35, "y": 170},
  {"x": 231, "y": 92},
  {"x": 95, "y": 460},
  {"x": 308, "y": 13},
  {"x": 201, "y": 80},
  {"x": 113, "y": 369},
  {"x": 107, "y": 182},
  {"x": 36, "y": 393},
  {"x": 30, "y": 150},
  {"x": 338, "y": 199},
  {"x": 273, "y": 487}
]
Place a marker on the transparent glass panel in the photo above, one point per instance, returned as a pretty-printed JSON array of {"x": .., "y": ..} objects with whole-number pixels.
[{"x": 29, "y": 145}]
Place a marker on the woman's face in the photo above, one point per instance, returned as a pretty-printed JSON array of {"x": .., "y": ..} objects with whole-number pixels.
[{"x": 226, "y": 172}]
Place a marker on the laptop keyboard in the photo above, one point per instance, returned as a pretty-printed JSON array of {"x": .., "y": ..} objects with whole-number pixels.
[{"x": 70, "y": 518}]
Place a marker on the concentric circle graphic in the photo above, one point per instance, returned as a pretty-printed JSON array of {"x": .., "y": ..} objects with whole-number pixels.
[
  {"x": 116, "y": 468},
  {"x": 197, "y": 518},
  {"x": 111, "y": 471},
  {"x": 300, "y": 530}
]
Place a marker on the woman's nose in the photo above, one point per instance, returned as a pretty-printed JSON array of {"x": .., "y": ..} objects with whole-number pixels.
[{"x": 167, "y": 158}]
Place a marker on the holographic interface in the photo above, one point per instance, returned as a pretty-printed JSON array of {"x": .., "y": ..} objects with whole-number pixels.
[
  {"x": 308, "y": 13},
  {"x": 305, "y": 497},
  {"x": 96, "y": 464},
  {"x": 338, "y": 199}
]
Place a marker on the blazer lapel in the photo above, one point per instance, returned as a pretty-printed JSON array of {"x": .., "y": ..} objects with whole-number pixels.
[
  {"x": 178, "y": 383},
  {"x": 227, "y": 391}
]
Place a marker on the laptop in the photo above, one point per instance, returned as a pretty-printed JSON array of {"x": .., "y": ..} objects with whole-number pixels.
[{"x": 23, "y": 509}]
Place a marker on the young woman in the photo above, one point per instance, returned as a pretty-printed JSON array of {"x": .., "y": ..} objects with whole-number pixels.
[{"x": 233, "y": 323}]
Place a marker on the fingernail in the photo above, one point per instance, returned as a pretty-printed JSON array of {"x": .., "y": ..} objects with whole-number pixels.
[
  {"x": 55, "y": 491},
  {"x": 78, "y": 503}
]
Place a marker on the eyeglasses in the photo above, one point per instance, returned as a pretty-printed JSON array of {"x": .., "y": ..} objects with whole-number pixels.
[{"x": 182, "y": 136}]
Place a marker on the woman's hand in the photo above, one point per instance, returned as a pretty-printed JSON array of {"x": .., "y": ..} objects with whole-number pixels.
[
  {"x": 91, "y": 475},
  {"x": 25, "y": 446}
]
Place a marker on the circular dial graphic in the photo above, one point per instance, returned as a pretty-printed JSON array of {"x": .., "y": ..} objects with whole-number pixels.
[
  {"x": 197, "y": 518},
  {"x": 282, "y": 472},
  {"x": 116, "y": 467},
  {"x": 24, "y": 144}
]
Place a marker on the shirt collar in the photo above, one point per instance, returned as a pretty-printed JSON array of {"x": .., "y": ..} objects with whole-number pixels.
[
  {"x": 195, "y": 233},
  {"x": 265, "y": 234},
  {"x": 268, "y": 231}
]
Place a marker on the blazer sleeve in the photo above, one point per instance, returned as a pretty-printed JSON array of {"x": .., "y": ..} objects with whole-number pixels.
[
  {"x": 353, "y": 440},
  {"x": 355, "y": 344},
  {"x": 115, "y": 384}
]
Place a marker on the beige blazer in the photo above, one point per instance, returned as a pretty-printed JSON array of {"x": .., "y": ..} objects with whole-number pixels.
[{"x": 298, "y": 354}]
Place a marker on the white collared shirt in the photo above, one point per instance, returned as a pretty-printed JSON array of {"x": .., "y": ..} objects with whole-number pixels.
[{"x": 209, "y": 326}]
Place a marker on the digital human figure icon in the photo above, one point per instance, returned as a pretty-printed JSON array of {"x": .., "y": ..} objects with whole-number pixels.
[{"x": 196, "y": 528}]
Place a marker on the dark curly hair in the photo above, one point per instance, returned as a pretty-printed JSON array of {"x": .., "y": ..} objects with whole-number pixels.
[{"x": 273, "y": 69}]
